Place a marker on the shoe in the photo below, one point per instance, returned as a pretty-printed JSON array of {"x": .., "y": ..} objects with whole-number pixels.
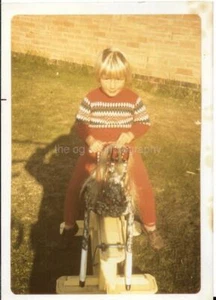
[
  {"x": 67, "y": 236},
  {"x": 155, "y": 240}
]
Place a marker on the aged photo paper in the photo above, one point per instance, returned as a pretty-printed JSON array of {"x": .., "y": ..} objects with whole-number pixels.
[{"x": 49, "y": 51}]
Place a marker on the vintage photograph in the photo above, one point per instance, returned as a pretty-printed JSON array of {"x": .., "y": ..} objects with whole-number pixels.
[{"x": 106, "y": 146}]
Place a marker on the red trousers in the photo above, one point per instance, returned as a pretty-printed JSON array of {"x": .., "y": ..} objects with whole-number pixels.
[{"x": 85, "y": 164}]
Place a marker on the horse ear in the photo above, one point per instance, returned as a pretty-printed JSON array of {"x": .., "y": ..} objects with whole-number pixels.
[{"x": 125, "y": 152}]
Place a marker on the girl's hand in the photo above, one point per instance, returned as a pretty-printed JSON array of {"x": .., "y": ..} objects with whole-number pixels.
[
  {"x": 97, "y": 146},
  {"x": 94, "y": 145},
  {"x": 125, "y": 138}
]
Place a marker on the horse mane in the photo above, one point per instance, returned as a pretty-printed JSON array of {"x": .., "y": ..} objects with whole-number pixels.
[{"x": 100, "y": 176}]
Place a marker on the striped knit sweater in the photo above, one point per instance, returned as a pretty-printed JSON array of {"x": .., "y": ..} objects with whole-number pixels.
[{"x": 105, "y": 118}]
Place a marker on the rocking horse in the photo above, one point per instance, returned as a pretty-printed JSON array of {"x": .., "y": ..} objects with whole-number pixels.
[{"x": 109, "y": 195}]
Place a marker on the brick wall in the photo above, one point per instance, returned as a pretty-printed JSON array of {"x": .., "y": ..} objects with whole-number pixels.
[{"x": 162, "y": 46}]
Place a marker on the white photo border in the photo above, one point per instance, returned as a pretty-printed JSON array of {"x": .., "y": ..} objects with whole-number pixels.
[{"x": 202, "y": 8}]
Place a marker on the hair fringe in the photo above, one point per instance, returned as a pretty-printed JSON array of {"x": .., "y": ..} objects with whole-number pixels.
[{"x": 112, "y": 63}]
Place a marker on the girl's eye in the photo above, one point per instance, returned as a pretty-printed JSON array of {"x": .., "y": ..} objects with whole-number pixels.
[{"x": 118, "y": 79}]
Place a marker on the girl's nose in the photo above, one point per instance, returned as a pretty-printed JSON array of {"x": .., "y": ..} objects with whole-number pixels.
[{"x": 112, "y": 83}]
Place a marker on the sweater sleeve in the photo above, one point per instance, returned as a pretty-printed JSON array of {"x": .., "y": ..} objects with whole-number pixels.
[
  {"x": 141, "y": 122},
  {"x": 83, "y": 119}
]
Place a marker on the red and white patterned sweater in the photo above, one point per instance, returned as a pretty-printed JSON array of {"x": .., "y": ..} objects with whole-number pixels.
[{"x": 105, "y": 118}]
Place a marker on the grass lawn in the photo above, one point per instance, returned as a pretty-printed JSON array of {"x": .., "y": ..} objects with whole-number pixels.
[{"x": 45, "y": 98}]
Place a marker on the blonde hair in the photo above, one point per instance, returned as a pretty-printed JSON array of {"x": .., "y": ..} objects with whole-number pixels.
[{"x": 113, "y": 64}]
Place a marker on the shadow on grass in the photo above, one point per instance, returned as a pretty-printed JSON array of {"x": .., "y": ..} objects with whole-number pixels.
[{"x": 52, "y": 167}]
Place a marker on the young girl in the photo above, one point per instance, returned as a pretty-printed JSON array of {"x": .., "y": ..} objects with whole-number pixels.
[{"x": 111, "y": 113}]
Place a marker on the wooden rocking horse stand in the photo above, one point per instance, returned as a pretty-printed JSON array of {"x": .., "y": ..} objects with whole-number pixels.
[{"x": 109, "y": 223}]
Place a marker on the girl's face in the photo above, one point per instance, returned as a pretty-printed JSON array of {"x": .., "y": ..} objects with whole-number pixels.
[{"x": 111, "y": 86}]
